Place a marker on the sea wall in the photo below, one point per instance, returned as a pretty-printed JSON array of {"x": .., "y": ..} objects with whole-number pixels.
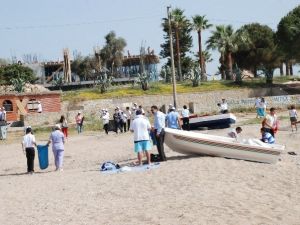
[{"x": 200, "y": 102}]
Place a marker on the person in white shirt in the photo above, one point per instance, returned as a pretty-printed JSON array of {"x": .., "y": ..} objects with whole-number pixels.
[
  {"x": 185, "y": 113},
  {"x": 234, "y": 133},
  {"x": 28, "y": 144},
  {"x": 3, "y": 124},
  {"x": 105, "y": 119},
  {"x": 270, "y": 122},
  {"x": 293, "y": 117},
  {"x": 223, "y": 106},
  {"x": 39, "y": 108},
  {"x": 141, "y": 127},
  {"x": 128, "y": 115}
]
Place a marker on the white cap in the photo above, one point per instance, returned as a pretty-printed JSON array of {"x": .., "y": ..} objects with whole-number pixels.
[
  {"x": 57, "y": 126},
  {"x": 79, "y": 112}
]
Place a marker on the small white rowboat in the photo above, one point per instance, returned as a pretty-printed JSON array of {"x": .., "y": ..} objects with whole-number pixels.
[{"x": 187, "y": 142}]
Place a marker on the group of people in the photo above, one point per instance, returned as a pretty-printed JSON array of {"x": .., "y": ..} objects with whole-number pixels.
[
  {"x": 135, "y": 120},
  {"x": 57, "y": 138}
]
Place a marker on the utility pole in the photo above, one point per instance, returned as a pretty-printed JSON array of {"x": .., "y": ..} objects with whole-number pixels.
[{"x": 172, "y": 58}]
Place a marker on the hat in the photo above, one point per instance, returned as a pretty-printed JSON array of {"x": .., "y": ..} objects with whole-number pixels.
[
  {"x": 79, "y": 112},
  {"x": 134, "y": 103},
  {"x": 57, "y": 126},
  {"x": 117, "y": 107},
  {"x": 173, "y": 108}
]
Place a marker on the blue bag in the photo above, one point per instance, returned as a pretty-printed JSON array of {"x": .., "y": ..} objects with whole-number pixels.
[{"x": 43, "y": 156}]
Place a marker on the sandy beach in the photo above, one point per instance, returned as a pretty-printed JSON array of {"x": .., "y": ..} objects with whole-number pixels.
[{"x": 183, "y": 190}]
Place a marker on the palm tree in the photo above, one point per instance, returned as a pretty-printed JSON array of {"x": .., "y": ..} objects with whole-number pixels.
[
  {"x": 226, "y": 41},
  {"x": 200, "y": 24},
  {"x": 178, "y": 21}
]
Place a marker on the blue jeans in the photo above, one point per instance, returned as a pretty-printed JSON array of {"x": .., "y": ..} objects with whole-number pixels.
[{"x": 79, "y": 128}]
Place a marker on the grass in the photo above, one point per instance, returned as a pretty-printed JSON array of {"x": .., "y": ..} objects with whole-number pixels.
[
  {"x": 160, "y": 88},
  {"x": 156, "y": 89}
]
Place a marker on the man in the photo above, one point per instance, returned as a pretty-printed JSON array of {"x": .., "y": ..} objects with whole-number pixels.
[
  {"x": 118, "y": 120},
  {"x": 159, "y": 125},
  {"x": 270, "y": 122},
  {"x": 185, "y": 118},
  {"x": 223, "y": 106},
  {"x": 128, "y": 115},
  {"x": 105, "y": 119},
  {"x": 173, "y": 120},
  {"x": 141, "y": 127}
]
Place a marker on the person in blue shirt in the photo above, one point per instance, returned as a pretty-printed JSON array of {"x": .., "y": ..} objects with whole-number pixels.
[
  {"x": 173, "y": 119},
  {"x": 159, "y": 125},
  {"x": 266, "y": 137}
]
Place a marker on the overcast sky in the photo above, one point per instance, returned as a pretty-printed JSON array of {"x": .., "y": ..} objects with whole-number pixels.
[{"x": 46, "y": 27}]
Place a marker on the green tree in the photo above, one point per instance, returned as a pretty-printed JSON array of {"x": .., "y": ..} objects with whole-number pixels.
[
  {"x": 226, "y": 41},
  {"x": 200, "y": 23},
  {"x": 14, "y": 73},
  {"x": 181, "y": 33},
  {"x": 85, "y": 67},
  {"x": 255, "y": 52},
  {"x": 112, "y": 53},
  {"x": 288, "y": 36}
]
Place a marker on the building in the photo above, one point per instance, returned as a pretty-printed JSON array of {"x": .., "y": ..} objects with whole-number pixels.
[{"x": 17, "y": 104}]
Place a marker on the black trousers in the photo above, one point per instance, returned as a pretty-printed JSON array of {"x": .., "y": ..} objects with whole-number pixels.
[
  {"x": 124, "y": 126},
  {"x": 186, "y": 123},
  {"x": 271, "y": 131},
  {"x": 160, "y": 139},
  {"x": 105, "y": 127},
  {"x": 30, "y": 153},
  {"x": 128, "y": 124}
]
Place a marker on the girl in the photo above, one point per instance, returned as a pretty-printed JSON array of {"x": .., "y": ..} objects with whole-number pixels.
[
  {"x": 293, "y": 117},
  {"x": 64, "y": 125}
]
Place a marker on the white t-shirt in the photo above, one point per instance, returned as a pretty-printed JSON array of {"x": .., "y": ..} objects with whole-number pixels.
[
  {"x": 185, "y": 113},
  {"x": 293, "y": 113},
  {"x": 224, "y": 106},
  {"x": 105, "y": 118},
  {"x": 128, "y": 114},
  {"x": 271, "y": 120},
  {"x": 140, "y": 126},
  {"x": 28, "y": 140},
  {"x": 257, "y": 103}
]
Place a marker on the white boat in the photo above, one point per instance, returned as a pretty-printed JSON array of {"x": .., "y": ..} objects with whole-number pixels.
[
  {"x": 187, "y": 142},
  {"x": 212, "y": 122}
]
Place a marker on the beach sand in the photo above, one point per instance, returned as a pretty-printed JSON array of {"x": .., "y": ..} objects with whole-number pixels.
[{"x": 183, "y": 190}]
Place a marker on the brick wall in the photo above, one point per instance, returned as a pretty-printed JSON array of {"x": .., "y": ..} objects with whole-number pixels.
[{"x": 51, "y": 102}]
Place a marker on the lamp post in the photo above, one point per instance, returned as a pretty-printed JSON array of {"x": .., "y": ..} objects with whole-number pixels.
[{"x": 172, "y": 58}]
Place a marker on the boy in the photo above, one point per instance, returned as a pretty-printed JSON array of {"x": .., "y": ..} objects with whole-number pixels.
[
  {"x": 266, "y": 137},
  {"x": 28, "y": 147}
]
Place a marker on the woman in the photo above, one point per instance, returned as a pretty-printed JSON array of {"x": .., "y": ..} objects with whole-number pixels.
[
  {"x": 79, "y": 122},
  {"x": 58, "y": 140},
  {"x": 64, "y": 125}
]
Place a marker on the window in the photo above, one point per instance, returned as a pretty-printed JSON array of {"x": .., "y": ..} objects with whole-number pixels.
[
  {"x": 32, "y": 105},
  {"x": 7, "y": 104}
]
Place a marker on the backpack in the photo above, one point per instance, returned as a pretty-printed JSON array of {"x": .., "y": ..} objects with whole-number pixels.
[{"x": 109, "y": 166}]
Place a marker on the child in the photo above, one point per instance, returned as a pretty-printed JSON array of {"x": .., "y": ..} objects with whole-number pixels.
[
  {"x": 234, "y": 133},
  {"x": 293, "y": 117},
  {"x": 28, "y": 147},
  {"x": 266, "y": 137}
]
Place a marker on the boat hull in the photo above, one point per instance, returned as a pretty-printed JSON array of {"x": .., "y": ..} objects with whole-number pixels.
[
  {"x": 212, "y": 122},
  {"x": 202, "y": 144}
]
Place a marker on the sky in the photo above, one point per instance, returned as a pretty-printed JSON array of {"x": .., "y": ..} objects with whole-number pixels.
[{"x": 46, "y": 27}]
